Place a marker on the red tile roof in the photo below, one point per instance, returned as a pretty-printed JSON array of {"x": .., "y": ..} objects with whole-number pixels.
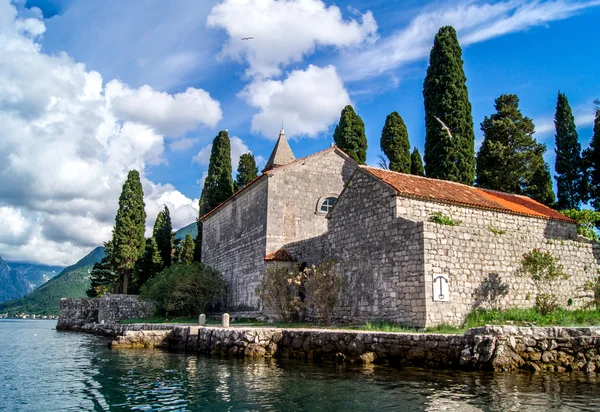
[
  {"x": 458, "y": 194},
  {"x": 280, "y": 255}
]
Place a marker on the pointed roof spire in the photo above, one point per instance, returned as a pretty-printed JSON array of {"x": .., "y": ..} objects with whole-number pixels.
[{"x": 282, "y": 153}]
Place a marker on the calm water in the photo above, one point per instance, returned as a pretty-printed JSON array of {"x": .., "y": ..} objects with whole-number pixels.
[{"x": 45, "y": 370}]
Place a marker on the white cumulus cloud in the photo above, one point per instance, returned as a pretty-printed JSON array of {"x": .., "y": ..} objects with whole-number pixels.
[
  {"x": 284, "y": 31},
  {"x": 309, "y": 101},
  {"x": 238, "y": 148}
]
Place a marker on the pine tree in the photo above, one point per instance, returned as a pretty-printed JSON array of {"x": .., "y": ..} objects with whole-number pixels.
[
  {"x": 246, "y": 172},
  {"x": 150, "y": 264},
  {"x": 128, "y": 241},
  {"x": 218, "y": 185},
  {"x": 568, "y": 164},
  {"x": 187, "y": 251},
  {"x": 198, "y": 244},
  {"x": 450, "y": 138},
  {"x": 103, "y": 278},
  {"x": 416, "y": 163},
  {"x": 163, "y": 235},
  {"x": 349, "y": 135},
  {"x": 592, "y": 160},
  {"x": 394, "y": 143}
]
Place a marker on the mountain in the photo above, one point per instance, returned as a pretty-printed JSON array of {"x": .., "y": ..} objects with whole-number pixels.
[
  {"x": 72, "y": 282},
  {"x": 192, "y": 229},
  {"x": 12, "y": 283},
  {"x": 36, "y": 275}
]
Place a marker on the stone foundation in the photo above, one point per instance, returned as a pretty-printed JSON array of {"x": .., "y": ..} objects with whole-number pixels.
[
  {"x": 77, "y": 312},
  {"x": 496, "y": 348}
]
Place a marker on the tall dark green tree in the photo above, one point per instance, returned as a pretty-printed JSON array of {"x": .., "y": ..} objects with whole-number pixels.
[
  {"x": 349, "y": 135},
  {"x": 510, "y": 159},
  {"x": 592, "y": 161},
  {"x": 150, "y": 264},
  {"x": 450, "y": 138},
  {"x": 163, "y": 235},
  {"x": 568, "y": 164},
  {"x": 187, "y": 250},
  {"x": 394, "y": 143},
  {"x": 218, "y": 185},
  {"x": 246, "y": 172},
  {"x": 416, "y": 163},
  {"x": 128, "y": 241},
  {"x": 198, "y": 244},
  {"x": 103, "y": 278}
]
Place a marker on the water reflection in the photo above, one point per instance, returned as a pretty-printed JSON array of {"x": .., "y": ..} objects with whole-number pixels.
[{"x": 41, "y": 369}]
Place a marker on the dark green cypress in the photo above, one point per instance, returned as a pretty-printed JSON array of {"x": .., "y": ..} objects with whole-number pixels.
[
  {"x": 198, "y": 244},
  {"x": 103, "y": 278},
  {"x": 128, "y": 241},
  {"x": 246, "y": 172},
  {"x": 218, "y": 185},
  {"x": 592, "y": 159},
  {"x": 394, "y": 143},
  {"x": 150, "y": 264},
  {"x": 163, "y": 234},
  {"x": 568, "y": 165},
  {"x": 539, "y": 184},
  {"x": 450, "y": 138},
  {"x": 349, "y": 135},
  {"x": 187, "y": 251},
  {"x": 416, "y": 163}
]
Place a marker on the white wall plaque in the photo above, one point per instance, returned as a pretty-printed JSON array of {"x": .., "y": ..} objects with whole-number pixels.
[{"x": 441, "y": 292}]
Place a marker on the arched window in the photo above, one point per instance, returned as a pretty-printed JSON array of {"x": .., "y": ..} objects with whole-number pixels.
[{"x": 327, "y": 204}]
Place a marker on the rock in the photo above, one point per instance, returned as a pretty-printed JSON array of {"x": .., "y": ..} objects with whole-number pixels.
[
  {"x": 367, "y": 358},
  {"x": 254, "y": 350},
  {"x": 547, "y": 357},
  {"x": 590, "y": 367},
  {"x": 416, "y": 353},
  {"x": 356, "y": 347}
]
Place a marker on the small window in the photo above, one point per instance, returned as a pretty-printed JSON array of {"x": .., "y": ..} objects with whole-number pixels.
[{"x": 327, "y": 204}]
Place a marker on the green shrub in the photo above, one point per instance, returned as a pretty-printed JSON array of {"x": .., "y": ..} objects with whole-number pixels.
[
  {"x": 323, "y": 286},
  {"x": 185, "y": 290},
  {"x": 440, "y": 218},
  {"x": 545, "y": 272},
  {"x": 594, "y": 287},
  {"x": 496, "y": 231},
  {"x": 587, "y": 221},
  {"x": 279, "y": 291}
]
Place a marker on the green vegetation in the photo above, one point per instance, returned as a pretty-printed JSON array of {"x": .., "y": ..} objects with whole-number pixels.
[
  {"x": 450, "y": 138},
  {"x": 591, "y": 157},
  {"x": 128, "y": 241},
  {"x": 72, "y": 282},
  {"x": 218, "y": 185},
  {"x": 163, "y": 237},
  {"x": 509, "y": 147},
  {"x": 184, "y": 290},
  {"x": 349, "y": 135},
  {"x": 246, "y": 172},
  {"x": 394, "y": 143},
  {"x": 416, "y": 163},
  {"x": 149, "y": 265},
  {"x": 496, "y": 231},
  {"x": 594, "y": 287},
  {"x": 187, "y": 251},
  {"x": 192, "y": 229},
  {"x": 442, "y": 219},
  {"x": 587, "y": 220},
  {"x": 532, "y": 317},
  {"x": 167, "y": 320},
  {"x": 323, "y": 286},
  {"x": 568, "y": 164},
  {"x": 545, "y": 272},
  {"x": 278, "y": 291},
  {"x": 103, "y": 278}
]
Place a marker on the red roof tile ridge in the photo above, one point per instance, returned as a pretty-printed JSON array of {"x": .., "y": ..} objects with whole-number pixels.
[{"x": 280, "y": 255}]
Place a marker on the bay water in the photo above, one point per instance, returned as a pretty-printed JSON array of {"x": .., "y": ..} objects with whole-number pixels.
[{"x": 42, "y": 369}]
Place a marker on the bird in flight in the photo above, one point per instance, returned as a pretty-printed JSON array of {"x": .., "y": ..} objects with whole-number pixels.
[{"x": 247, "y": 38}]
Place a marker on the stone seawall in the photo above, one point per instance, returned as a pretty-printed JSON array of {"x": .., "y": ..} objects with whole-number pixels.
[
  {"x": 77, "y": 312},
  {"x": 497, "y": 348}
]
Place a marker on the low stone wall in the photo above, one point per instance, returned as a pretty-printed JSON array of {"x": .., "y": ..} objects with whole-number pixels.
[
  {"x": 497, "y": 348},
  {"x": 77, "y": 312}
]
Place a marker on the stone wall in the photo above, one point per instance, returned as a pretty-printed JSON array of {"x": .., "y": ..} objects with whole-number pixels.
[
  {"x": 76, "y": 312},
  {"x": 234, "y": 242}
]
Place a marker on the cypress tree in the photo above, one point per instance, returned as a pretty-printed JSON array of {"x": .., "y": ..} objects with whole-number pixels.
[
  {"x": 103, "y": 278},
  {"x": 592, "y": 158},
  {"x": 187, "y": 250},
  {"x": 128, "y": 241},
  {"x": 150, "y": 264},
  {"x": 568, "y": 164},
  {"x": 163, "y": 235},
  {"x": 218, "y": 185},
  {"x": 349, "y": 135},
  {"x": 246, "y": 172},
  {"x": 198, "y": 244},
  {"x": 416, "y": 163},
  {"x": 450, "y": 138},
  {"x": 510, "y": 159},
  {"x": 394, "y": 143}
]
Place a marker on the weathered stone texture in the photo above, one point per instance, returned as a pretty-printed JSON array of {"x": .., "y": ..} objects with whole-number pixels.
[{"x": 76, "y": 312}]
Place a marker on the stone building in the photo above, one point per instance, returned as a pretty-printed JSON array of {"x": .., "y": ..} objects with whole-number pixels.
[{"x": 400, "y": 263}]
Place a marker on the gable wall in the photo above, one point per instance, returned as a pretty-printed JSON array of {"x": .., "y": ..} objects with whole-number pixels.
[{"x": 234, "y": 241}]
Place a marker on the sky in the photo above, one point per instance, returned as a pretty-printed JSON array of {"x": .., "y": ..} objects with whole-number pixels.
[{"x": 90, "y": 90}]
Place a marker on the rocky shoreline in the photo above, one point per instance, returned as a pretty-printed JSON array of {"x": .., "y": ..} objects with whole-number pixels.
[{"x": 496, "y": 348}]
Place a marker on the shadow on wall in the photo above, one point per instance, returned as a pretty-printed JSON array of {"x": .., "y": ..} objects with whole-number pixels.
[{"x": 489, "y": 292}]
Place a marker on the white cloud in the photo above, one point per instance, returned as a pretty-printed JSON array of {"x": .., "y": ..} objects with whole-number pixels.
[
  {"x": 65, "y": 150},
  {"x": 238, "y": 148},
  {"x": 285, "y": 31},
  {"x": 474, "y": 23},
  {"x": 168, "y": 114},
  {"x": 309, "y": 101},
  {"x": 584, "y": 117},
  {"x": 183, "y": 144}
]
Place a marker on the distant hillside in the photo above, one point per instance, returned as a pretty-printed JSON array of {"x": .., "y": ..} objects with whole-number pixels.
[
  {"x": 72, "y": 282},
  {"x": 12, "y": 283},
  {"x": 192, "y": 229},
  {"x": 36, "y": 275}
]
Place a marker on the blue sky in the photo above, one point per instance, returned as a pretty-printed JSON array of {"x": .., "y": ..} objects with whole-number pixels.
[{"x": 95, "y": 88}]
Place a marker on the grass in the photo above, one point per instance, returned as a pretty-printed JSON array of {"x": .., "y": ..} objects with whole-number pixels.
[
  {"x": 163, "y": 319},
  {"x": 530, "y": 317}
]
